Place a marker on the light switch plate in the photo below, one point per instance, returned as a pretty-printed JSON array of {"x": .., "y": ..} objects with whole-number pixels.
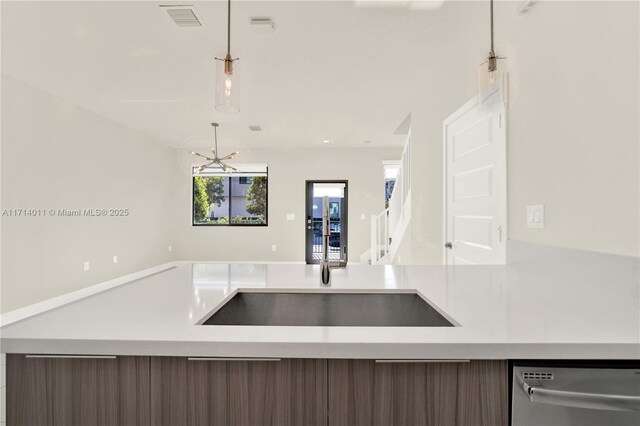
[
  {"x": 274, "y": 247},
  {"x": 291, "y": 216},
  {"x": 115, "y": 259},
  {"x": 535, "y": 216},
  {"x": 86, "y": 266}
]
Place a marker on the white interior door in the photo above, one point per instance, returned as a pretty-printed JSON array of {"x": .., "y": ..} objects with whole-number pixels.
[{"x": 475, "y": 193}]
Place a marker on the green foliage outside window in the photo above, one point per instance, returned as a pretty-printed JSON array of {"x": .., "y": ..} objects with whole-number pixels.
[
  {"x": 257, "y": 197},
  {"x": 215, "y": 190},
  {"x": 220, "y": 221},
  {"x": 200, "y": 198},
  {"x": 209, "y": 195},
  {"x": 245, "y": 220}
]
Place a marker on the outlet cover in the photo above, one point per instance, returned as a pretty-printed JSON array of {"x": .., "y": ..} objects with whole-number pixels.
[
  {"x": 170, "y": 248},
  {"x": 291, "y": 216},
  {"x": 115, "y": 259},
  {"x": 86, "y": 266},
  {"x": 535, "y": 216},
  {"x": 273, "y": 247}
]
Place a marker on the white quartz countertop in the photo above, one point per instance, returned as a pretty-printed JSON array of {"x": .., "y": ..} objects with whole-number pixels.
[{"x": 545, "y": 304}]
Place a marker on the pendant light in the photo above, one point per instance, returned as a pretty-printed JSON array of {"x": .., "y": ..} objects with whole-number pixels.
[
  {"x": 227, "y": 89},
  {"x": 489, "y": 76},
  {"x": 217, "y": 161}
]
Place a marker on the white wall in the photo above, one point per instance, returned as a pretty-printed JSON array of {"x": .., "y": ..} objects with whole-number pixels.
[
  {"x": 573, "y": 120},
  {"x": 288, "y": 170},
  {"x": 573, "y": 146},
  {"x": 574, "y": 129},
  {"x": 55, "y": 155}
]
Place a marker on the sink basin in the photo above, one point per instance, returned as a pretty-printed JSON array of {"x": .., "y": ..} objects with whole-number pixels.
[{"x": 327, "y": 309}]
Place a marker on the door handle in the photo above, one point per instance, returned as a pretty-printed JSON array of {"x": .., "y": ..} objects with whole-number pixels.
[
  {"x": 419, "y": 361},
  {"x": 41, "y": 356},
  {"x": 448, "y": 245},
  {"x": 595, "y": 401},
  {"x": 233, "y": 359}
]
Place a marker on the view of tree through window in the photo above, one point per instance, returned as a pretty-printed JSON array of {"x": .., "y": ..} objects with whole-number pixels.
[{"x": 233, "y": 200}]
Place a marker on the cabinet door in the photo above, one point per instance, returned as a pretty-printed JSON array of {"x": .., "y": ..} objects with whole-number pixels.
[
  {"x": 483, "y": 393},
  {"x": 77, "y": 391},
  {"x": 363, "y": 392},
  {"x": 214, "y": 392},
  {"x": 351, "y": 392},
  {"x": 187, "y": 392}
]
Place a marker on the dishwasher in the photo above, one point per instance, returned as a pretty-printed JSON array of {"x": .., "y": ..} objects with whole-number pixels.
[{"x": 565, "y": 394}]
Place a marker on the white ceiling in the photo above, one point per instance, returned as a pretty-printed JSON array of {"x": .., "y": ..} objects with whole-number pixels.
[{"x": 343, "y": 71}]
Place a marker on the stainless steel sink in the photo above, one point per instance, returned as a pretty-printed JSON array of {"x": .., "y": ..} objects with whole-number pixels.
[{"x": 405, "y": 309}]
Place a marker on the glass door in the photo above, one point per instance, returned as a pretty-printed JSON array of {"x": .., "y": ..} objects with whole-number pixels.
[{"x": 337, "y": 192}]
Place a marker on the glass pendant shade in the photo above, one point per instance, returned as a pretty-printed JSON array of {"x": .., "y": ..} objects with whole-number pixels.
[
  {"x": 489, "y": 82},
  {"x": 227, "y": 87}
]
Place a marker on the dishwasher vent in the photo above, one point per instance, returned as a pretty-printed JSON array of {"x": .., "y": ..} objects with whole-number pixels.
[{"x": 537, "y": 376}]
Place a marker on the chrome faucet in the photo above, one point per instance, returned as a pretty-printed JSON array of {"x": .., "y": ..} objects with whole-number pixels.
[{"x": 325, "y": 264}]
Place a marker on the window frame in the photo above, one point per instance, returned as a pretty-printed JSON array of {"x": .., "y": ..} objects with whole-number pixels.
[{"x": 257, "y": 225}]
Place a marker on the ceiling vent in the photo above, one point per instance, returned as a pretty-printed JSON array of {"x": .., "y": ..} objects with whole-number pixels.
[
  {"x": 255, "y": 128},
  {"x": 183, "y": 15},
  {"x": 262, "y": 25}
]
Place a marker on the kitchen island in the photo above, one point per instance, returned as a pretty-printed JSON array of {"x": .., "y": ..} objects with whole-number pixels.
[
  {"x": 550, "y": 304},
  {"x": 138, "y": 349}
]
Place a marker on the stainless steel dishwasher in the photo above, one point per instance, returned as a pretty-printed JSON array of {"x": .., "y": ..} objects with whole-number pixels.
[{"x": 568, "y": 395}]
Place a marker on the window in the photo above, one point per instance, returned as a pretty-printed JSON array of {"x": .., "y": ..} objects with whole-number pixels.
[
  {"x": 334, "y": 210},
  {"x": 391, "y": 169},
  {"x": 389, "y": 184},
  {"x": 238, "y": 198}
]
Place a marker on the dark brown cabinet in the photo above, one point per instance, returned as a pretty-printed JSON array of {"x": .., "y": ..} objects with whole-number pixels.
[
  {"x": 212, "y": 392},
  {"x": 366, "y": 392},
  {"x": 77, "y": 391},
  {"x": 290, "y": 392}
]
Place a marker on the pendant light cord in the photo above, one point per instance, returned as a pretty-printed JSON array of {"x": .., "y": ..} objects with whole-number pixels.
[
  {"x": 229, "y": 26},
  {"x": 491, "y": 2}
]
